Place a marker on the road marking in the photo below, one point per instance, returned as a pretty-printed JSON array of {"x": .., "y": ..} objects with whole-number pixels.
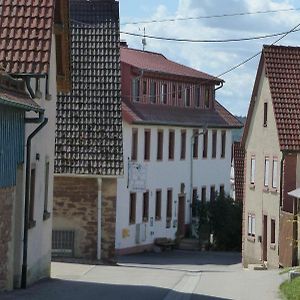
[{"x": 184, "y": 289}]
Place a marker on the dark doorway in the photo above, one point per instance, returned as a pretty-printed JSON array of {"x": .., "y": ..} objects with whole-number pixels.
[
  {"x": 265, "y": 238},
  {"x": 181, "y": 216}
]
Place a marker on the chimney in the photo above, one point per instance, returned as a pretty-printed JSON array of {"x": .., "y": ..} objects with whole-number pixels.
[{"x": 123, "y": 43}]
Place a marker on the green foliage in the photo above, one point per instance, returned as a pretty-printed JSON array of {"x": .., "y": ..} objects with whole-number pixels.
[
  {"x": 291, "y": 289},
  {"x": 223, "y": 218}
]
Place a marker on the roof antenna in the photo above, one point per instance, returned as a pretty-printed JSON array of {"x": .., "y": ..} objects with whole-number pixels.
[{"x": 144, "y": 42}]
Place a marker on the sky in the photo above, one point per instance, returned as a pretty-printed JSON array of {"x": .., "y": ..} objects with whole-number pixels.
[{"x": 213, "y": 58}]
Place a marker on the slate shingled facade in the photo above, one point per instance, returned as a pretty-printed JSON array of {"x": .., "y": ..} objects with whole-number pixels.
[
  {"x": 89, "y": 121},
  {"x": 89, "y": 142}
]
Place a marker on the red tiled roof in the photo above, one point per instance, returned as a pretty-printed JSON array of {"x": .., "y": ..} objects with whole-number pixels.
[
  {"x": 160, "y": 114},
  {"x": 25, "y": 35},
  {"x": 283, "y": 71},
  {"x": 239, "y": 158},
  {"x": 155, "y": 62}
]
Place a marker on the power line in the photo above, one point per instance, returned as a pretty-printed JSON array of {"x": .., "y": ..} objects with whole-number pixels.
[
  {"x": 259, "y": 37},
  {"x": 211, "y": 16}
]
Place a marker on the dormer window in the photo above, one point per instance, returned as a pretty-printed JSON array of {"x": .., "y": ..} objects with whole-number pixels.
[
  {"x": 179, "y": 91},
  {"x": 174, "y": 91},
  {"x": 187, "y": 97},
  {"x": 135, "y": 89},
  {"x": 153, "y": 92},
  {"x": 144, "y": 87},
  {"x": 164, "y": 92},
  {"x": 207, "y": 97},
  {"x": 197, "y": 96}
]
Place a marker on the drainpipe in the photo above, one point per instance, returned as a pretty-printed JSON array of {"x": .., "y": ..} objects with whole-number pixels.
[
  {"x": 280, "y": 193},
  {"x": 27, "y": 195},
  {"x": 99, "y": 227}
]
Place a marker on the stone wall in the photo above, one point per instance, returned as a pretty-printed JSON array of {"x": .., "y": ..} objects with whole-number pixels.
[
  {"x": 7, "y": 196},
  {"x": 75, "y": 208}
]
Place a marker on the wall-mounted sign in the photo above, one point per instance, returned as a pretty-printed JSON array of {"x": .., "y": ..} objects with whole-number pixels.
[{"x": 137, "y": 176}]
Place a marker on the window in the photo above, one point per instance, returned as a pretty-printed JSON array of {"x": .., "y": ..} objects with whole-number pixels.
[
  {"x": 46, "y": 195},
  {"x": 265, "y": 114},
  {"x": 223, "y": 143},
  {"x": 164, "y": 93},
  {"x": 135, "y": 89},
  {"x": 146, "y": 206},
  {"x": 158, "y": 205},
  {"x": 274, "y": 174},
  {"x": 207, "y": 97},
  {"x": 214, "y": 144},
  {"x": 144, "y": 87},
  {"x": 183, "y": 144},
  {"x": 266, "y": 175},
  {"x": 197, "y": 96},
  {"x": 212, "y": 193},
  {"x": 147, "y": 134},
  {"x": 32, "y": 197},
  {"x": 251, "y": 225},
  {"x": 160, "y": 144},
  {"x": 222, "y": 191},
  {"x": 203, "y": 194},
  {"x": 195, "y": 143},
  {"x": 134, "y": 145},
  {"x": 174, "y": 91},
  {"x": 252, "y": 174},
  {"x": 205, "y": 140},
  {"x": 187, "y": 97},
  {"x": 169, "y": 208},
  {"x": 171, "y": 144},
  {"x": 179, "y": 92},
  {"x": 272, "y": 231},
  {"x": 153, "y": 92},
  {"x": 132, "y": 208}
]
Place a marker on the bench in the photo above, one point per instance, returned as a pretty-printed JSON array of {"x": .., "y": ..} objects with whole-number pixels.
[{"x": 165, "y": 243}]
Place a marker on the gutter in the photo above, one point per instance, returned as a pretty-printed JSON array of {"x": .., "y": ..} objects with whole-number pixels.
[{"x": 41, "y": 119}]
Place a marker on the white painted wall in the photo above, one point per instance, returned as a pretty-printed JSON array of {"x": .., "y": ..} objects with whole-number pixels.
[
  {"x": 168, "y": 174},
  {"x": 39, "y": 237}
]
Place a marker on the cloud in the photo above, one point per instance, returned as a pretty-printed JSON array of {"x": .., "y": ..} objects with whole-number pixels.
[{"x": 216, "y": 58}]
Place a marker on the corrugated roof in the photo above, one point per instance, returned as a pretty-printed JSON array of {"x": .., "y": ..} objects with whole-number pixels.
[
  {"x": 155, "y": 62},
  {"x": 159, "y": 114},
  {"x": 25, "y": 36},
  {"x": 89, "y": 121}
]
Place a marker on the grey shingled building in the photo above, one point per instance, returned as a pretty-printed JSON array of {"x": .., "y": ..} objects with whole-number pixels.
[{"x": 89, "y": 153}]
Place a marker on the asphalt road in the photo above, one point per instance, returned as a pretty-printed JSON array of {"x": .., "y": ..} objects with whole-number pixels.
[{"x": 170, "y": 275}]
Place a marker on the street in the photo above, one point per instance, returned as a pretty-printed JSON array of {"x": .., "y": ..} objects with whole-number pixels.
[{"x": 168, "y": 275}]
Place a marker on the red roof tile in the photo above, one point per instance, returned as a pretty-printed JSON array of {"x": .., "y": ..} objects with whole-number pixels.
[
  {"x": 25, "y": 35},
  {"x": 155, "y": 62},
  {"x": 283, "y": 71}
]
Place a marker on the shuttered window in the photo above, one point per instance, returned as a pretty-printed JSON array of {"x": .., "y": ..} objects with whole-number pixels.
[
  {"x": 135, "y": 89},
  {"x": 158, "y": 205},
  {"x": 195, "y": 143},
  {"x": 147, "y": 140},
  {"x": 171, "y": 144},
  {"x": 223, "y": 143},
  {"x": 146, "y": 206},
  {"x": 153, "y": 92},
  {"x": 214, "y": 144},
  {"x": 134, "y": 145},
  {"x": 160, "y": 144},
  {"x": 183, "y": 144},
  {"x": 132, "y": 208}
]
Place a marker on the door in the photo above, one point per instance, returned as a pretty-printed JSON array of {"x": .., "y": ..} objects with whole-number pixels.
[
  {"x": 265, "y": 238},
  {"x": 181, "y": 216}
]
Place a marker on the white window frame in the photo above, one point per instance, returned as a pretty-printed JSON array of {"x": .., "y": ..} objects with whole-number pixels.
[
  {"x": 251, "y": 225},
  {"x": 252, "y": 170},
  {"x": 275, "y": 173},
  {"x": 267, "y": 171}
]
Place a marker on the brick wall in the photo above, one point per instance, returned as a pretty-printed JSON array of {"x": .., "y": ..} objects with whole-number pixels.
[
  {"x": 7, "y": 196},
  {"x": 75, "y": 207}
]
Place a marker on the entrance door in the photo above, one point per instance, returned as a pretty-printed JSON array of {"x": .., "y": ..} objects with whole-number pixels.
[
  {"x": 265, "y": 238},
  {"x": 181, "y": 216}
]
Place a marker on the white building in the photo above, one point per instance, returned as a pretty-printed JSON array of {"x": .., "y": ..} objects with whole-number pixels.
[{"x": 170, "y": 104}]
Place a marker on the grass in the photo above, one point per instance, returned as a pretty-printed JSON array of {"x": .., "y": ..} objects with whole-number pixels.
[{"x": 290, "y": 290}]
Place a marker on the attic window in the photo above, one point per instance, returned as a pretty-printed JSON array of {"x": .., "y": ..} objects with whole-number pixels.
[{"x": 265, "y": 114}]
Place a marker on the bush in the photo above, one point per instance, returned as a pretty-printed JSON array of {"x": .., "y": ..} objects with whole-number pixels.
[{"x": 223, "y": 218}]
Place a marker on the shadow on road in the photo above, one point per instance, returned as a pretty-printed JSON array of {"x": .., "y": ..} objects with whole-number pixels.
[
  {"x": 179, "y": 257},
  {"x": 77, "y": 290}
]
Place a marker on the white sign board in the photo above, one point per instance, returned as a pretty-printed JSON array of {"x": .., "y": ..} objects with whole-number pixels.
[{"x": 137, "y": 174}]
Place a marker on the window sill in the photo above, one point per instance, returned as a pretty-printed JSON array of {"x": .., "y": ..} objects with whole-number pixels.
[
  {"x": 157, "y": 218},
  {"x": 31, "y": 224},
  {"x": 274, "y": 190},
  {"x": 251, "y": 239},
  {"x": 266, "y": 189},
  {"x": 252, "y": 186},
  {"x": 273, "y": 246},
  {"x": 145, "y": 220},
  {"x": 131, "y": 223},
  {"x": 46, "y": 215}
]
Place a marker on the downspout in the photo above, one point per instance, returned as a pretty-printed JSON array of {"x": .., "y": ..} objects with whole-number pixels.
[
  {"x": 280, "y": 193},
  {"x": 27, "y": 193}
]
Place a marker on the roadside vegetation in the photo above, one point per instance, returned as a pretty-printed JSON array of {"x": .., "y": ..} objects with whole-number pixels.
[
  {"x": 290, "y": 290},
  {"x": 223, "y": 219}
]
